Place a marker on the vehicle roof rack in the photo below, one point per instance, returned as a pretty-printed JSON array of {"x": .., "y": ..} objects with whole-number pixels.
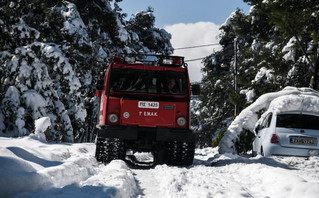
[{"x": 157, "y": 60}]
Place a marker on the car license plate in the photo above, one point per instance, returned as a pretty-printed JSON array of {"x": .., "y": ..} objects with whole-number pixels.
[
  {"x": 303, "y": 140},
  {"x": 148, "y": 105}
]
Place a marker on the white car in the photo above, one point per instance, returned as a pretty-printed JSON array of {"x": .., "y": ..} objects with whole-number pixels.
[{"x": 291, "y": 133}]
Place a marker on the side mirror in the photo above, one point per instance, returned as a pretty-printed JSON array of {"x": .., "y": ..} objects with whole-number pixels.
[
  {"x": 196, "y": 89},
  {"x": 100, "y": 85},
  {"x": 99, "y": 88}
]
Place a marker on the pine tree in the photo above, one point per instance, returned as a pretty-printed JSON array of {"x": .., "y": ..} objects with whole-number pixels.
[
  {"x": 273, "y": 40},
  {"x": 293, "y": 20},
  {"x": 156, "y": 40},
  {"x": 218, "y": 94},
  {"x": 54, "y": 52}
]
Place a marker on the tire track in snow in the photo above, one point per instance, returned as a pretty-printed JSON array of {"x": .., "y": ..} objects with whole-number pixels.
[
  {"x": 194, "y": 181},
  {"x": 202, "y": 181},
  {"x": 199, "y": 180},
  {"x": 148, "y": 184}
]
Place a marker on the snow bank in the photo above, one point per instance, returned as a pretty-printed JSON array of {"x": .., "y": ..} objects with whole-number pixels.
[
  {"x": 289, "y": 99},
  {"x": 31, "y": 168},
  {"x": 118, "y": 177},
  {"x": 235, "y": 176}
]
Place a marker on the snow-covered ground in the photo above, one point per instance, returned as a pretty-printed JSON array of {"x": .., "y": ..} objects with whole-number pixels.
[{"x": 33, "y": 168}]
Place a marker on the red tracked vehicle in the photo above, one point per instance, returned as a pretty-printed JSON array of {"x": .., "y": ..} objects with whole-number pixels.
[{"x": 146, "y": 108}]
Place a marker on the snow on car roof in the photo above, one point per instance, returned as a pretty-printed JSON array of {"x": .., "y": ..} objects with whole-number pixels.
[{"x": 302, "y": 103}]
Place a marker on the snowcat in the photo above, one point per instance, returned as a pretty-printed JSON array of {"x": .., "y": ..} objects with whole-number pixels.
[{"x": 145, "y": 107}]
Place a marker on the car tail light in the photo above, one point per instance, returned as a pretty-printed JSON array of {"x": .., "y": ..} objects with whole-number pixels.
[{"x": 274, "y": 139}]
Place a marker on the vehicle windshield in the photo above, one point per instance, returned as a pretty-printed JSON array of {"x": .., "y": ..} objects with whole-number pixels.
[
  {"x": 148, "y": 81},
  {"x": 298, "y": 121}
]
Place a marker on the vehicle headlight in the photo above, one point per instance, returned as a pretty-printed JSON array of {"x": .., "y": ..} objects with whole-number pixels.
[
  {"x": 181, "y": 121},
  {"x": 113, "y": 118}
]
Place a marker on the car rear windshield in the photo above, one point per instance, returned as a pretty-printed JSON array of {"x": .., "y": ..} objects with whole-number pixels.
[
  {"x": 148, "y": 81},
  {"x": 298, "y": 121}
]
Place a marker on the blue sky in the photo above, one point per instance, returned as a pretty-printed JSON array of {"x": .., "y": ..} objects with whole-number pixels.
[
  {"x": 169, "y": 12},
  {"x": 190, "y": 23}
]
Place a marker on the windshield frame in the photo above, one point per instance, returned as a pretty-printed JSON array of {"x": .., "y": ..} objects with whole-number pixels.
[{"x": 152, "y": 82}]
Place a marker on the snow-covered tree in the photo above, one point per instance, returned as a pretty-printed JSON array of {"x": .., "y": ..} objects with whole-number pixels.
[
  {"x": 51, "y": 55},
  {"x": 277, "y": 47},
  {"x": 156, "y": 40}
]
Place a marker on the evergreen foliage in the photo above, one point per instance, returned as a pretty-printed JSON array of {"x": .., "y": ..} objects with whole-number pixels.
[
  {"x": 217, "y": 139},
  {"x": 156, "y": 40},
  {"x": 53, "y": 52},
  {"x": 244, "y": 143},
  {"x": 277, "y": 42}
]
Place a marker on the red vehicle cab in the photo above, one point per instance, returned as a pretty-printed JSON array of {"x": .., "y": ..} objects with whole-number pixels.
[{"x": 145, "y": 108}]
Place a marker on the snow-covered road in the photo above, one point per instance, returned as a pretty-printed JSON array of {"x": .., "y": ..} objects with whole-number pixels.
[{"x": 31, "y": 168}]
